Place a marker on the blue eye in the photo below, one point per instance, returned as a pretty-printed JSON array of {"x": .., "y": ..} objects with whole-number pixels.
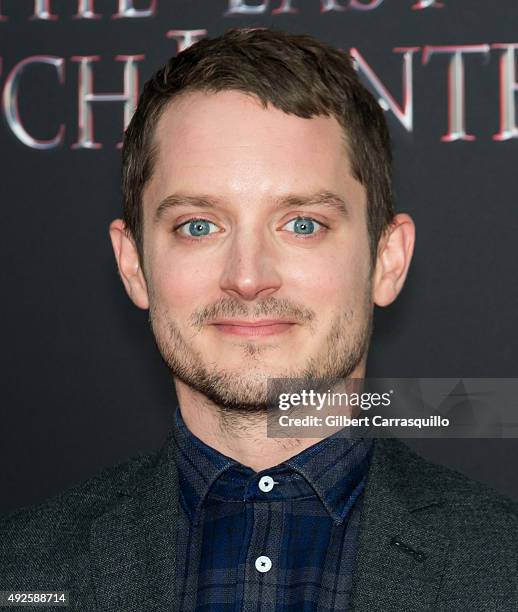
[
  {"x": 303, "y": 225},
  {"x": 196, "y": 227}
]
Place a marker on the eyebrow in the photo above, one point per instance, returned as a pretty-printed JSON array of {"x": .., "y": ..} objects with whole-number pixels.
[{"x": 327, "y": 199}]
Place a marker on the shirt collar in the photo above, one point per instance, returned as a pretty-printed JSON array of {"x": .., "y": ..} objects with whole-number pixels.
[{"x": 334, "y": 468}]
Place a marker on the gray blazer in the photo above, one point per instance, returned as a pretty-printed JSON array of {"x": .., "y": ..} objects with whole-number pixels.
[{"x": 430, "y": 539}]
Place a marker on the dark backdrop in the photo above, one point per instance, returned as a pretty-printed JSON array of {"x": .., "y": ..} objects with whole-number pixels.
[{"x": 83, "y": 386}]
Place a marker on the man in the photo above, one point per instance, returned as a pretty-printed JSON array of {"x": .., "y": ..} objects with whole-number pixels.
[{"x": 259, "y": 231}]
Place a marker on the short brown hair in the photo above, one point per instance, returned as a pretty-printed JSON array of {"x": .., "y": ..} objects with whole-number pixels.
[{"x": 295, "y": 73}]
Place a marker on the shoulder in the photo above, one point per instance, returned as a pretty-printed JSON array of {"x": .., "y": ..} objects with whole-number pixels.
[
  {"x": 81, "y": 501},
  {"x": 470, "y": 502},
  {"x": 56, "y": 531}
]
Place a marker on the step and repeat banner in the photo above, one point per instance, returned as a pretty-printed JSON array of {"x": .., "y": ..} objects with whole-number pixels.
[{"x": 83, "y": 386}]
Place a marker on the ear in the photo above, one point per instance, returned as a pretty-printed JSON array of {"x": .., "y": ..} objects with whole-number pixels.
[
  {"x": 127, "y": 258},
  {"x": 395, "y": 251}
]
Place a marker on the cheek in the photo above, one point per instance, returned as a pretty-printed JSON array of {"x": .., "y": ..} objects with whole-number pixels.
[
  {"x": 337, "y": 277},
  {"x": 177, "y": 285}
]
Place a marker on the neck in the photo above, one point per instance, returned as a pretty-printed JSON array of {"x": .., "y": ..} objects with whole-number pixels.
[{"x": 242, "y": 437}]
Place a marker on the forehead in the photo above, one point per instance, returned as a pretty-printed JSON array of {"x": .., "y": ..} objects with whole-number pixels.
[{"x": 227, "y": 141}]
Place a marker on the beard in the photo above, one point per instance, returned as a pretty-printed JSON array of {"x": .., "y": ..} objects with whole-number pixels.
[{"x": 244, "y": 393}]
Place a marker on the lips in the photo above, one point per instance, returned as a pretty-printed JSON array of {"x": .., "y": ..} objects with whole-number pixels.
[
  {"x": 266, "y": 327},
  {"x": 251, "y": 323}
]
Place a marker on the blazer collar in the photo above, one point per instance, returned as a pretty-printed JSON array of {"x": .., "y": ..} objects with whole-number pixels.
[
  {"x": 403, "y": 533},
  {"x": 132, "y": 545}
]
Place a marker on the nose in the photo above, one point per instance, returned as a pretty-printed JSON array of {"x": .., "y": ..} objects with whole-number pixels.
[{"x": 251, "y": 267}]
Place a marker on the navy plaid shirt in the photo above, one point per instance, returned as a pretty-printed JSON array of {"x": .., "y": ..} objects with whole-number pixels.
[{"x": 279, "y": 540}]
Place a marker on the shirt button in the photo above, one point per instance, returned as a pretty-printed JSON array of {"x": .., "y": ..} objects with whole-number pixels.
[
  {"x": 263, "y": 564},
  {"x": 266, "y": 483}
]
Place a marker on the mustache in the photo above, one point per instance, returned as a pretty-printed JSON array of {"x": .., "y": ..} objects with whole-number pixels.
[{"x": 271, "y": 306}]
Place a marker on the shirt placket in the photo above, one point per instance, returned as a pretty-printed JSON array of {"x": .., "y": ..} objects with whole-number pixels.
[{"x": 263, "y": 556}]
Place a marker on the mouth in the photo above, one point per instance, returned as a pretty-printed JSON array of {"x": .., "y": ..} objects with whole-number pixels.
[{"x": 253, "y": 329}]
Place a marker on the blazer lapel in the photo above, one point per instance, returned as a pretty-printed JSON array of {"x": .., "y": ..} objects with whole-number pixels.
[
  {"x": 132, "y": 545},
  {"x": 403, "y": 535}
]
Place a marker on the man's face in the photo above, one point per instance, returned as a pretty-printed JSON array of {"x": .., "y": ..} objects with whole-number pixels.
[{"x": 255, "y": 251}]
